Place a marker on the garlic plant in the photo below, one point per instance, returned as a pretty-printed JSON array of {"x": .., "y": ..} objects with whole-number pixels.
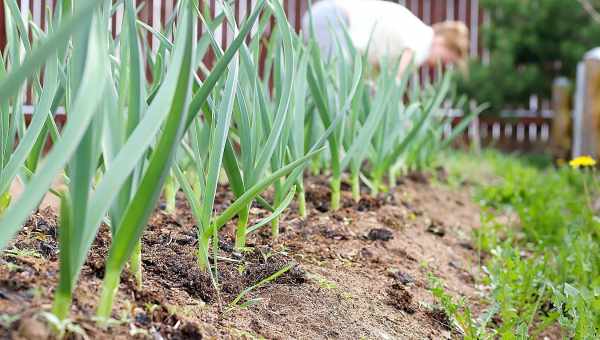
[{"x": 130, "y": 135}]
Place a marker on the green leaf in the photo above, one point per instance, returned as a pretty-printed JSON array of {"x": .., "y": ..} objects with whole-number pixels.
[
  {"x": 142, "y": 204},
  {"x": 252, "y": 192},
  {"x": 46, "y": 48},
  {"x": 86, "y": 105},
  {"x": 276, "y": 213},
  {"x": 218, "y": 141},
  {"x": 40, "y": 115}
]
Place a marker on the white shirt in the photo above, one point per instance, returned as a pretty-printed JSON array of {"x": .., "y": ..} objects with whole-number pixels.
[{"x": 390, "y": 27}]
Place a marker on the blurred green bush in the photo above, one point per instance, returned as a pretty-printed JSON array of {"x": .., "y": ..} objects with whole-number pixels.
[{"x": 530, "y": 43}]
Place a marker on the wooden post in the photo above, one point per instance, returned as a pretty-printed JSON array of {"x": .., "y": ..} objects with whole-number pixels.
[
  {"x": 560, "y": 136},
  {"x": 474, "y": 129},
  {"x": 590, "y": 120}
]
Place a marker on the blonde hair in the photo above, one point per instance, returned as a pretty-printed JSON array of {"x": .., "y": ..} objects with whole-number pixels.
[{"x": 456, "y": 38}]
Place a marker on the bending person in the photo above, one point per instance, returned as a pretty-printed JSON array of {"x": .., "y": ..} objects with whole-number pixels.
[{"x": 387, "y": 29}]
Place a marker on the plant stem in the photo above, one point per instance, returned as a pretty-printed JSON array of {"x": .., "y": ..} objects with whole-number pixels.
[
  {"x": 355, "y": 186},
  {"x": 240, "y": 234},
  {"x": 170, "y": 194},
  {"x": 276, "y": 201},
  {"x": 203, "y": 251},
  {"x": 315, "y": 166},
  {"x": 376, "y": 184},
  {"x": 109, "y": 290},
  {"x": 136, "y": 264},
  {"x": 62, "y": 302},
  {"x": 301, "y": 200},
  {"x": 392, "y": 177},
  {"x": 336, "y": 183},
  {"x": 64, "y": 291},
  {"x": 196, "y": 187},
  {"x": 587, "y": 192},
  {"x": 275, "y": 228}
]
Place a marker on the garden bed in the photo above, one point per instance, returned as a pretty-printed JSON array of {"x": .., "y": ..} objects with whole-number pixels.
[{"x": 362, "y": 271}]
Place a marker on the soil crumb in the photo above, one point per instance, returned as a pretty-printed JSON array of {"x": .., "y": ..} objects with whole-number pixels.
[
  {"x": 380, "y": 234},
  {"x": 401, "y": 299}
]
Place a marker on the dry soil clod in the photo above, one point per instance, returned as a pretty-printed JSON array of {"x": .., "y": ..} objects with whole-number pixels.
[
  {"x": 436, "y": 228},
  {"x": 401, "y": 299},
  {"x": 380, "y": 234},
  {"x": 31, "y": 329}
]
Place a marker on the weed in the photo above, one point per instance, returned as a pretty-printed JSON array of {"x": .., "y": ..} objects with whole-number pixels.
[
  {"x": 322, "y": 282},
  {"x": 12, "y": 267},
  {"x": 544, "y": 265},
  {"x": 6, "y": 320},
  {"x": 233, "y": 304},
  {"x": 136, "y": 331},
  {"x": 151, "y": 307},
  {"x": 21, "y": 253},
  {"x": 245, "y": 334},
  {"x": 460, "y": 314},
  {"x": 64, "y": 326}
]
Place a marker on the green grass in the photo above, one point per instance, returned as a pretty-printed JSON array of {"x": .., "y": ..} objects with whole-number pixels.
[{"x": 543, "y": 269}]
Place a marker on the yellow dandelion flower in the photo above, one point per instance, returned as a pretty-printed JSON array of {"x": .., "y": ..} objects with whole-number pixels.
[{"x": 582, "y": 161}]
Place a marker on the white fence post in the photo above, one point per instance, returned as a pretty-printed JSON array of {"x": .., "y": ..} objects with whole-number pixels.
[
  {"x": 578, "y": 110},
  {"x": 587, "y": 106}
]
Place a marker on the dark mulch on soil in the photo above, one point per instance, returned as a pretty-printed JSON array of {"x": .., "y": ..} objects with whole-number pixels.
[{"x": 359, "y": 272}]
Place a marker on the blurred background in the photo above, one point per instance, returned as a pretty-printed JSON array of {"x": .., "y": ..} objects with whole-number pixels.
[{"x": 531, "y": 61}]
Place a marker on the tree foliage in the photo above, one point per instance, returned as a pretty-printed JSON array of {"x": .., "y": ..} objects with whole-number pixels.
[{"x": 530, "y": 43}]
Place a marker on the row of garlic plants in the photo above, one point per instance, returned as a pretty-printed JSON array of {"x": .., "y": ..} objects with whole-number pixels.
[{"x": 131, "y": 135}]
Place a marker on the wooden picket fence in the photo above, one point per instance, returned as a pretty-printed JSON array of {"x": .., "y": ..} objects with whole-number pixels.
[
  {"x": 519, "y": 133},
  {"x": 157, "y": 12},
  {"x": 525, "y": 134}
]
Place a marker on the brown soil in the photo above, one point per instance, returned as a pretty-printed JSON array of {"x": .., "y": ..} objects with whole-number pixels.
[{"x": 360, "y": 272}]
